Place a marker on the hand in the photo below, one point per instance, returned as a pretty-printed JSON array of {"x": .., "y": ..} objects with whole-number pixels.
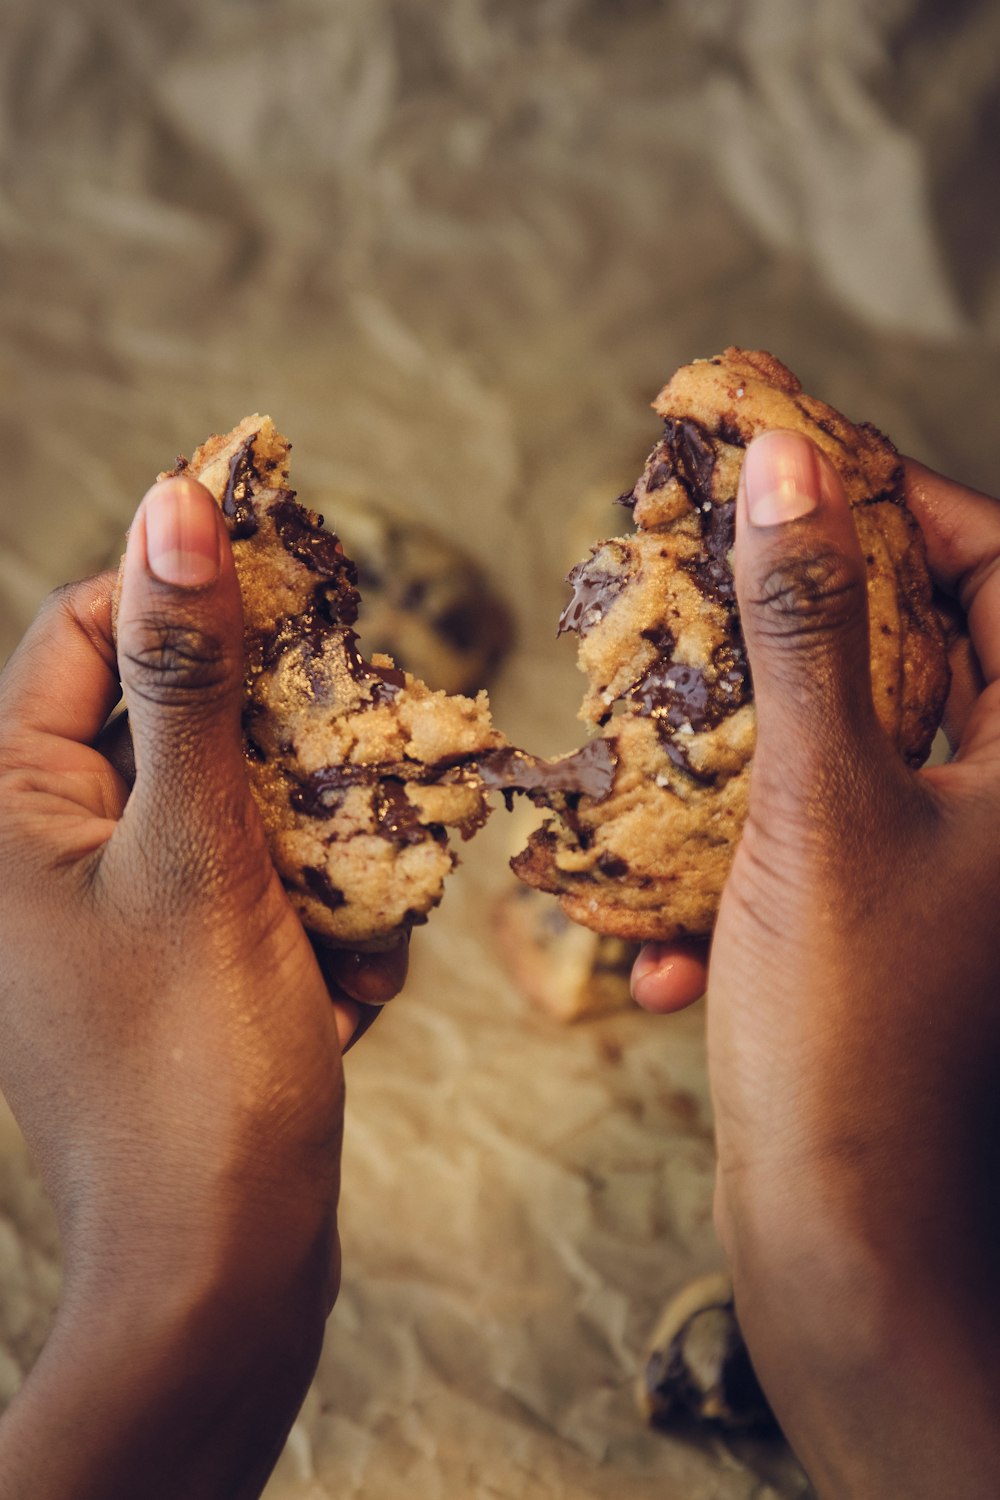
[
  {"x": 168, "y": 1042},
  {"x": 853, "y": 1016}
]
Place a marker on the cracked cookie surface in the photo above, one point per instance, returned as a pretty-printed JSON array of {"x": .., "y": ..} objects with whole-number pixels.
[
  {"x": 359, "y": 769},
  {"x": 659, "y": 640}
]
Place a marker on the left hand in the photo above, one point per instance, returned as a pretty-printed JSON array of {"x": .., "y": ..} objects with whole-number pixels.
[{"x": 168, "y": 1042}]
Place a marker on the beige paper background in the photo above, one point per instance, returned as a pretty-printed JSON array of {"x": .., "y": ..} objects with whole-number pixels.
[{"x": 454, "y": 246}]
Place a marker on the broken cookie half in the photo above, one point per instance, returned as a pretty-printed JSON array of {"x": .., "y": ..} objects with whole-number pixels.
[
  {"x": 360, "y": 771},
  {"x": 669, "y": 689}
]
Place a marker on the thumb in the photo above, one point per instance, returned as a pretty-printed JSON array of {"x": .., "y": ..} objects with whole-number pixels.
[
  {"x": 801, "y": 584},
  {"x": 180, "y": 652}
]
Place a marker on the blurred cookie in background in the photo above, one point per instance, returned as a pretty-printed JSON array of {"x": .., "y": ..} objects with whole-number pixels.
[
  {"x": 565, "y": 970},
  {"x": 425, "y": 602},
  {"x": 697, "y": 1368}
]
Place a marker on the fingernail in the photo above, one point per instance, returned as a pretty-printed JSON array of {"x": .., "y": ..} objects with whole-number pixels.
[
  {"x": 648, "y": 965},
  {"x": 781, "y": 478},
  {"x": 182, "y": 536}
]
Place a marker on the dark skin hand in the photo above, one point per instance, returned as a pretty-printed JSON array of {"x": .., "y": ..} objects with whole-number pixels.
[
  {"x": 854, "y": 1005},
  {"x": 170, "y": 1041}
]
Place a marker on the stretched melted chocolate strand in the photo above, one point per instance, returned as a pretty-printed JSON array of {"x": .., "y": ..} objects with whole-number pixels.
[{"x": 589, "y": 772}]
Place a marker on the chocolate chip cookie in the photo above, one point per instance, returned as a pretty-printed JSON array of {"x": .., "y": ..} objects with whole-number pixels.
[
  {"x": 659, "y": 640},
  {"x": 424, "y": 601},
  {"x": 560, "y": 967},
  {"x": 358, "y": 768}
]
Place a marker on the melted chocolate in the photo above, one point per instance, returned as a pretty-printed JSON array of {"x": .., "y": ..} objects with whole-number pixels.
[
  {"x": 395, "y": 816},
  {"x": 386, "y": 684},
  {"x": 683, "y": 698},
  {"x": 589, "y": 772},
  {"x": 322, "y": 792},
  {"x": 237, "y": 502},
  {"x": 310, "y": 544},
  {"x": 661, "y": 637},
  {"x": 319, "y": 884},
  {"x": 320, "y": 795},
  {"x": 593, "y": 590},
  {"x": 309, "y": 629}
]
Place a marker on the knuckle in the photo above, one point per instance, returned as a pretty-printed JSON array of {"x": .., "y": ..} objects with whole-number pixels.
[
  {"x": 803, "y": 597},
  {"x": 165, "y": 661}
]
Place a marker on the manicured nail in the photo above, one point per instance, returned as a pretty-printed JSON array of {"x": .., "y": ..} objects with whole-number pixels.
[
  {"x": 781, "y": 478},
  {"x": 182, "y": 536}
]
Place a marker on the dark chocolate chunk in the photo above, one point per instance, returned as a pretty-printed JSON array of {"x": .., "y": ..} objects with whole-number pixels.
[
  {"x": 675, "y": 694},
  {"x": 593, "y": 590},
  {"x": 658, "y": 476},
  {"x": 395, "y": 816},
  {"x": 237, "y": 502},
  {"x": 322, "y": 792},
  {"x": 689, "y": 452},
  {"x": 319, "y": 884},
  {"x": 612, "y": 866},
  {"x": 713, "y": 575}
]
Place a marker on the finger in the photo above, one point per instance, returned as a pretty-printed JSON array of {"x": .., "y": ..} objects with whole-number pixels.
[
  {"x": 180, "y": 650},
  {"x": 353, "y": 1017},
  {"x": 961, "y": 528},
  {"x": 62, "y": 681},
  {"x": 801, "y": 583},
  {"x": 372, "y": 978},
  {"x": 669, "y": 976},
  {"x": 346, "y": 1015}
]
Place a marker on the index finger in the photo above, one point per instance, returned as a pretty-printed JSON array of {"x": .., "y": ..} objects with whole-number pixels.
[
  {"x": 61, "y": 683},
  {"x": 371, "y": 978},
  {"x": 961, "y": 528}
]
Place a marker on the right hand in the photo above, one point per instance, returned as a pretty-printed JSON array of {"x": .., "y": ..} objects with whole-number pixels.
[{"x": 854, "y": 1008}]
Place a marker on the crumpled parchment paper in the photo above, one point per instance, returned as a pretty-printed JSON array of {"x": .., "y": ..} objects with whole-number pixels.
[{"x": 454, "y": 247}]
